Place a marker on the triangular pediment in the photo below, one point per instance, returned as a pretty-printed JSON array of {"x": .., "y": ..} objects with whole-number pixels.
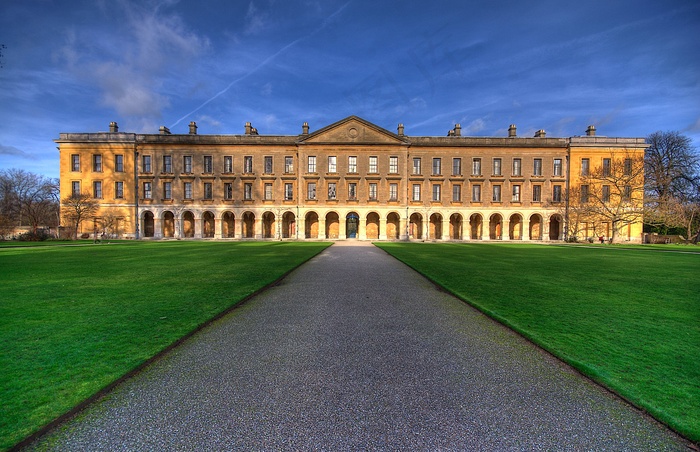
[{"x": 352, "y": 130}]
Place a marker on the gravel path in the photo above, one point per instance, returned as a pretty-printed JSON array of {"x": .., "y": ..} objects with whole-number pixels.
[{"x": 355, "y": 351}]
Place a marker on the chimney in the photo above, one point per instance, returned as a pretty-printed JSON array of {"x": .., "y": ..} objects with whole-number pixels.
[
  {"x": 540, "y": 133},
  {"x": 164, "y": 130},
  {"x": 113, "y": 127},
  {"x": 193, "y": 128},
  {"x": 512, "y": 131},
  {"x": 458, "y": 130},
  {"x": 590, "y": 131},
  {"x": 305, "y": 128},
  {"x": 248, "y": 128},
  {"x": 400, "y": 130}
]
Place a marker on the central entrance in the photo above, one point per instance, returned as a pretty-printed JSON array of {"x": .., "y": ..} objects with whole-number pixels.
[{"x": 351, "y": 223}]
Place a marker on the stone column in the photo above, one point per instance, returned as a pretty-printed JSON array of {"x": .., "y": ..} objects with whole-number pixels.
[
  {"x": 505, "y": 229},
  {"x": 198, "y": 227},
  {"x": 217, "y": 228},
  {"x": 321, "y": 227},
  {"x": 445, "y": 228},
  {"x": 382, "y": 228},
  {"x": 258, "y": 228},
  {"x": 526, "y": 230},
  {"x": 342, "y": 229},
  {"x": 157, "y": 228}
]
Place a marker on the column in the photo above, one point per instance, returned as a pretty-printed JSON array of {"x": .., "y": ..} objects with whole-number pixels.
[
  {"x": 382, "y": 228},
  {"x": 321, "y": 227},
  {"x": 445, "y": 228}
]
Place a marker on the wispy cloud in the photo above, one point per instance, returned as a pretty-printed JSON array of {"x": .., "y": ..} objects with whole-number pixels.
[{"x": 11, "y": 150}]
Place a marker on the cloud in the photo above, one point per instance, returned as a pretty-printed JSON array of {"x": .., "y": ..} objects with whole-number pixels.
[
  {"x": 255, "y": 20},
  {"x": 474, "y": 127},
  {"x": 11, "y": 150}
]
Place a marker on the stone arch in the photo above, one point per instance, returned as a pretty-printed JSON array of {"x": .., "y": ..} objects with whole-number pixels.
[
  {"x": 208, "y": 224},
  {"x": 148, "y": 224},
  {"x": 289, "y": 225},
  {"x": 168, "y": 224},
  {"x": 188, "y": 224},
  {"x": 555, "y": 227},
  {"x": 515, "y": 229},
  {"x": 248, "y": 225},
  {"x": 332, "y": 225},
  {"x": 352, "y": 225},
  {"x": 456, "y": 226},
  {"x": 536, "y": 227},
  {"x": 476, "y": 226},
  {"x": 496, "y": 227},
  {"x": 311, "y": 225},
  {"x": 393, "y": 226},
  {"x": 415, "y": 228},
  {"x": 228, "y": 225},
  {"x": 435, "y": 227},
  {"x": 269, "y": 224},
  {"x": 372, "y": 226}
]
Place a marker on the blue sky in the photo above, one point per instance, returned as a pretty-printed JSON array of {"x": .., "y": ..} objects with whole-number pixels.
[{"x": 628, "y": 67}]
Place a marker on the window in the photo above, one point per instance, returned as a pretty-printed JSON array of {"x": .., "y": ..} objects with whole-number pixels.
[
  {"x": 373, "y": 164},
  {"x": 456, "y": 193},
  {"x": 476, "y": 167},
  {"x": 147, "y": 190},
  {"x": 476, "y": 193},
  {"x": 119, "y": 163},
  {"x": 208, "y": 191},
  {"x": 416, "y": 192},
  {"x": 416, "y": 165},
  {"x": 517, "y": 167},
  {"x": 352, "y": 164},
  {"x": 496, "y": 193},
  {"x": 228, "y": 190},
  {"x": 437, "y": 163},
  {"x": 228, "y": 164},
  {"x": 584, "y": 193},
  {"x": 208, "y": 164},
  {"x": 75, "y": 188},
  {"x": 288, "y": 192},
  {"x": 606, "y": 193},
  {"x": 289, "y": 164},
  {"x": 628, "y": 167},
  {"x": 332, "y": 192},
  {"x": 557, "y": 167},
  {"x": 268, "y": 164},
  {"x": 248, "y": 191},
  {"x": 352, "y": 191},
  {"x": 167, "y": 163},
  {"x": 393, "y": 165},
  {"x": 497, "y": 167},
  {"x": 97, "y": 189},
  {"x": 627, "y": 193},
  {"x": 516, "y": 193},
  {"x": 373, "y": 191},
  {"x": 75, "y": 162},
  {"x": 268, "y": 192},
  {"x": 187, "y": 188},
  {"x": 119, "y": 190},
  {"x": 97, "y": 163},
  {"x": 393, "y": 192},
  {"x": 187, "y": 164},
  {"x": 167, "y": 190},
  {"x": 332, "y": 164},
  {"x": 456, "y": 166},
  {"x": 146, "y": 163},
  {"x": 248, "y": 164},
  {"x": 606, "y": 167},
  {"x": 312, "y": 164},
  {"x": 536, "y": 193},
  {"x": 556, "y": 193},
  {"x": 585, "y": 167},
  {"x": 311, "y": 190},
  {"x": 537, "y": 167},
  {"x": 436, "y": 192}
]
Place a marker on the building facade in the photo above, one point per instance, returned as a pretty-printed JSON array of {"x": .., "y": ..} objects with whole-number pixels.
[{"x": 348, "y": 180}]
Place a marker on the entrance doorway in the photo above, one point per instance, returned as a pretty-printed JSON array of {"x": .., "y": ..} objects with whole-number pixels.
[{"x": 351, "y": 223}]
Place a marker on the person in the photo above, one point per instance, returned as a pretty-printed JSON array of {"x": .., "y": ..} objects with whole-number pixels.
[{"x": 602, "y": 239}]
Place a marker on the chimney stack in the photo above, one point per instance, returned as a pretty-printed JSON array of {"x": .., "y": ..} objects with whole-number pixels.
[
  {"x": 540, "y": 133},
  {"x": 400, "y": 130},
  {"x": 164, "y": 130},
  {"x": 512, "y": 131},
  {"x": 193, "y": 128},
  {"x": 590, "y": 131},
  {"x": 248, "y": 128},
  {"x": 113, "y": 127},
  {"x": 458, "y": 130},
  {"x": 305, "y": 128}
]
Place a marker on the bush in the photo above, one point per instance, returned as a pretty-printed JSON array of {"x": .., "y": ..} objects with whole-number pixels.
[{"x": 38, "y": 236}]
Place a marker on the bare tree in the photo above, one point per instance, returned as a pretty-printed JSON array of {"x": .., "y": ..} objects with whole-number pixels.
[
  {"x": 28, "y": 199},
  {"x": 78, "y": 207}
]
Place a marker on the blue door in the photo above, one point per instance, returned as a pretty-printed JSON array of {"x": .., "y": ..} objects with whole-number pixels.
[{"x": 351, "y": 223}]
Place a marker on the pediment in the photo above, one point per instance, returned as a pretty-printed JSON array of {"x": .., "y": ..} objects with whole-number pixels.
[{"x": 352, "y": 130}]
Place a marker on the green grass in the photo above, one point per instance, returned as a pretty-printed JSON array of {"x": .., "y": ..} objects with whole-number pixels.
[
  {"x": 73, "y": 319},
  {"x": 627, "y": 317}
]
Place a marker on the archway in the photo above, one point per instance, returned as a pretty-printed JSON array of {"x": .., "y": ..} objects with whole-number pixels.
[
  {"x": 515, "y": 230},
  {"x": 332, "y": 225},
  {"x": 476, "y": 223},
  {"x": 415, "y": 227},
  {"x": 148, "y": 224},
  {"x": 311, "y": 225},
  {"x": 268, "y": 220},
  {"x": 536, "y": 227},
  {"x": 168, "y": 224},
  {"x": 188, "y": 224},
  {"x": 496, "y": 227},
  {"x": 555, "y": 227},
  {"x": 208, "y": 225},
  {"x": 456, "y": 226},
  {"x": 248, "y": 225},
  {"x": 393, "y": 223},
  {"x": 289, "y": 225},
  {"x": 228, "y": 225},
  {"x": 372, "y": 226},
  {"x": 352, "y": 225},
  {"x": 435, "y": 232}
]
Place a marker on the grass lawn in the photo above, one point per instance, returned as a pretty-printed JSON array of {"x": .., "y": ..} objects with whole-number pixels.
[
  {"x": 73, "y": 319},
  {"x": 628, "y": 317}
]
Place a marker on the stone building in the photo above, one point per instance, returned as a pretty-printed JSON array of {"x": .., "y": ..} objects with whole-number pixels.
[{"x": 348, "y": 180}]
